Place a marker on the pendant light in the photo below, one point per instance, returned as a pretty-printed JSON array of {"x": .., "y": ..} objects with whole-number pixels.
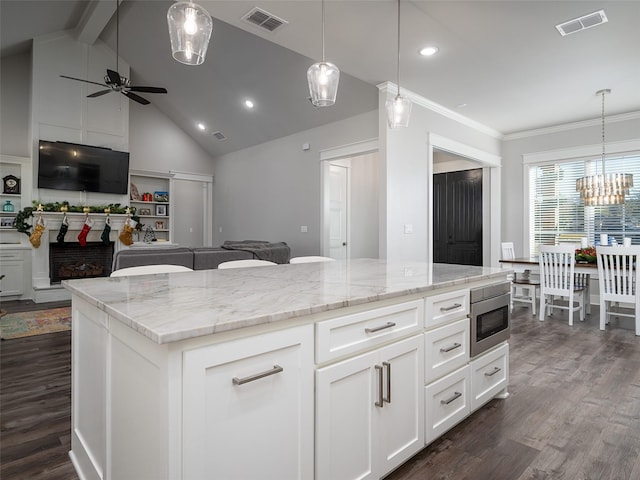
[
  {"x": 323, "y": 78},
  {"x": 190, "y": 28},
  {"x": 606, "y": 188},
  {"x": 398, "y": 109}
]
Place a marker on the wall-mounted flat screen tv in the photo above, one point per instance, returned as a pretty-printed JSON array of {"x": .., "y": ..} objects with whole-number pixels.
[{"x": 71, "y": 166}]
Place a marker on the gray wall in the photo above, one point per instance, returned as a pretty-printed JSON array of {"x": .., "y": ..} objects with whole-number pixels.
[
  {"x": 267, "y": 192},
  {"x": 513, "y": 218},
  {"x": 364, "y": 196},
  {"x": 15, "y": 100}
]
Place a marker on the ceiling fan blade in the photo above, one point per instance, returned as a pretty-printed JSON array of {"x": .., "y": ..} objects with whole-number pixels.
[
  {"x": 136, "y": 98},
  {"x": 83, "y": 80},
  {"x": 148, "y": 89},
  {"x": 114, "y": 77},
  {"x": 99, "y": 93}
]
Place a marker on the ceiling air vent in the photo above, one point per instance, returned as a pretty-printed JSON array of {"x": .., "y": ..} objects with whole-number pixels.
[
  {"x": 219, "y": 135},
  {"x": 582, "y": 23},
  {"x": 263, "y": 19}
]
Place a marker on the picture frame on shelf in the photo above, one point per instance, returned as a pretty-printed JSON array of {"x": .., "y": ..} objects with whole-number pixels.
[
  {"x": 134, "y": 193},
  {"x": 160, "y": 225},
  {"x": 6, "y": 222},
  {"x": 145, "y": 211},
  {"x": 160, "y": 196},
  {"x": 161, "y": 210}
]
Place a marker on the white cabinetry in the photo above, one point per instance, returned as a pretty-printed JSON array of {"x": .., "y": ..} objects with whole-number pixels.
[
  {"x": 369, "y": 408},
  {"x": 156, "y": 212},
  {"x": 15, "y": 265},
  {"x": 489, "y": 375},
  {"x": 255, "y": 396}
]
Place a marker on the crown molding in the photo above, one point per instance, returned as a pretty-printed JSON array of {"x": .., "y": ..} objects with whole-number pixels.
[
  {"x": 623, "y": 117},
  {"x": 392, "y": 88}
]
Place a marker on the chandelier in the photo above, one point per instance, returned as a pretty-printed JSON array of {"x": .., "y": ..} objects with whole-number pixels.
[
  {"x": 323, "y": 78},
  {"x": 606, "y": 188}
]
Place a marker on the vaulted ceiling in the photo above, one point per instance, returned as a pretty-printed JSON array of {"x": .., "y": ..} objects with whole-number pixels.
[{"x": 501, "y": 63}]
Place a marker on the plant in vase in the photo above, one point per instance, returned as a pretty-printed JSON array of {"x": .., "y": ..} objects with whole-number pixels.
[{"x": 586, "y": 255}]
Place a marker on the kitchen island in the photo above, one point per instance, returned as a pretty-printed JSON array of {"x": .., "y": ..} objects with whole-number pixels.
[{"x": 272, "y": 372}]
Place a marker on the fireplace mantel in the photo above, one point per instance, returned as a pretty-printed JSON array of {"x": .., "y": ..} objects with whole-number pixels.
[{"x": 53, "y": 221}]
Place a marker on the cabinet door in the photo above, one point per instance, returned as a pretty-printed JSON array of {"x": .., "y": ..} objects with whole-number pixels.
[
  {"x": 398, "y": 424},
  {"x": 345, "y": 394},
  {"x": 13, "y": 271},
  {"x": 254, "y": 396}
]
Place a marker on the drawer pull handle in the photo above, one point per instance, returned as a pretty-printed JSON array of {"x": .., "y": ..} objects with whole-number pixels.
[
  {"x": 377, "y": 329},
  {"x": 257, "y": 376},
  {"x": 492, "y": 373},
  {"x": 452, "y": 347},
  {"x": 380, "y": 402},
  {"x": 452, "y": 307},
  {"x": 454, "y": 397},
  {"x": 387, "y": 365}
]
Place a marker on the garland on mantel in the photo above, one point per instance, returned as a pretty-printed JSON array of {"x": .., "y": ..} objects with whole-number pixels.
[{"x": 23, "y": 215}]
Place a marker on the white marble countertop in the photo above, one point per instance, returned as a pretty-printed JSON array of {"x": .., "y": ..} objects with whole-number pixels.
[{"x": 177, "y": 306}]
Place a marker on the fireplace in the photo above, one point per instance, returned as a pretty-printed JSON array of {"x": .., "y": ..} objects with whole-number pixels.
[{"x": 71, "y": 261}]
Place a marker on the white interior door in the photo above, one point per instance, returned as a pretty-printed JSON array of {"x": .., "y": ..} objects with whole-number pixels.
[{"x": 338, "y": 247}]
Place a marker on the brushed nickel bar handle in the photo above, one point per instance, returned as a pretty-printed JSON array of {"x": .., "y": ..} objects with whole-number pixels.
[
  {"x": 452, "y": 307},
  {"x": 387, "y": 365},
  {"x": 257, "y": 376},
  {"x": 454, "y": 397},
  {"x": 491, "y": 374},
  {"x": 380, "y": 402},
  {"x": 452, "y": 347},
  {"x": 377, "y": 329}
]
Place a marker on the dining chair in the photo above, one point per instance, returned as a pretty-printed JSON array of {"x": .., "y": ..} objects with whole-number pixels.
[
  {"x": 244, "y": 264},
  {"x": 311, "y": 259},
  {"x": 524, "y": 289},
  {"x": 149, "y": 269},
  {"x": 557, "y": 278},
  {"x": 618, "y": 279}
]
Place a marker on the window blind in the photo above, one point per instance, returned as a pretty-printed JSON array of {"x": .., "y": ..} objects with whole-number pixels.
[{"x": 557, "y": 215}]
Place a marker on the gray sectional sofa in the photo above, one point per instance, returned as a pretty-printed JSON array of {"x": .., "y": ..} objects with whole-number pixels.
[{"x": 202, "y": 258}]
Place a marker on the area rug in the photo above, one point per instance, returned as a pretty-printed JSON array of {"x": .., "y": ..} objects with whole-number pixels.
[{"x": 26, "y": 324}]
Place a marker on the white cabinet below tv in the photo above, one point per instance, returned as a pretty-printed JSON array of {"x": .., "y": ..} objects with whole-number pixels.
[{"x": 154, "y": 211}]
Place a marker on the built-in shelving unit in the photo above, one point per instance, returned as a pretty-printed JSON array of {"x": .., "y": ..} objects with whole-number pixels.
[{"x": 156, "y": 212}]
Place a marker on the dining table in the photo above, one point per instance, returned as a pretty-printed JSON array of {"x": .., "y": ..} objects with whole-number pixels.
[{"x": 531, "y": 265}]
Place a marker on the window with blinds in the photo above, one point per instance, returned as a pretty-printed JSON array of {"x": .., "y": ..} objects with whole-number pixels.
[{"x": 557, "y": 215}]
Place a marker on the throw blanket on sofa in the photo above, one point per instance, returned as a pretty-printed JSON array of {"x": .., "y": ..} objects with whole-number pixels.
[{"x": 278, "y": 252}]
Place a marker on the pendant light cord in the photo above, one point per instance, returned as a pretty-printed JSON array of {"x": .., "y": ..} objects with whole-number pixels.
[
  {"x": 323, "y": 31},
  {"x": 117, "y": 34},
  {"x": 398, "y": 46},
  {"x": 603, "y": 155}
]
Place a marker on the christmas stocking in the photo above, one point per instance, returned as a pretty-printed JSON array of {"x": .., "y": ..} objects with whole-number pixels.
[
  {"x": 86, "y": 228},
  {"x": 35, "y": 237},
  {"x": 63, "y": 230},
  {"x": 105, "y": 233},
  {"x": 127, "y": 230}
]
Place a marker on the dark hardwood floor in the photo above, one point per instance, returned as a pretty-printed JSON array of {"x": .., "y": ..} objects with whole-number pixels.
[{"x": 573, "y": 412}]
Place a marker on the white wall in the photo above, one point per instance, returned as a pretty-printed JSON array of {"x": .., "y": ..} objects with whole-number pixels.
[
  {"x": 364, "y": 206},
  {"x": 268, "y": 191},
  {"x": 15, "y": 99},
  {"x": 404, "y": 175},
  {"x": 513, "y": 218}
]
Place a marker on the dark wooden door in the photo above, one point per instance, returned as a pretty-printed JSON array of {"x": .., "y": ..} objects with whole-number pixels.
[{"x": 457, "y": 217}]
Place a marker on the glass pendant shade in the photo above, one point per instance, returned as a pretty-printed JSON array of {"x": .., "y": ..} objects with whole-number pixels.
[
  {"x": 398, "y": 112},
  {"x": 605, "y": 188},
  {"x": 190, "y": 28},
  {"x": 323, "y": 78}
]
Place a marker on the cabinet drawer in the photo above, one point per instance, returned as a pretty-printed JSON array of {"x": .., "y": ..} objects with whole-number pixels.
[
  {"x": 489, "y": 375},
  {"x": 446, "y": 307},
  {"x": 352, "y": 333},
  {"x": 446, "y": 348},
  {"x": 7, "y": 256},
  {"x": 446, "y": 402}
]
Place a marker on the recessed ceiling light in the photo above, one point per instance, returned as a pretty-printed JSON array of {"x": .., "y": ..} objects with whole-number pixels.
[
  {"x": 428, "y": 51},
  {"x": 248, "y": 103},
  {"x": 201, "y": 126}
]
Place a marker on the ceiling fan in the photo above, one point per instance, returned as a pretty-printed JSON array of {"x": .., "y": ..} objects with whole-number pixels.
[{"x": 116, "y": 82}]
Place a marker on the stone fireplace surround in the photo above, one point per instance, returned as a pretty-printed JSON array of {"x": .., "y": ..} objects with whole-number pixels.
[{"x": 44, "y": 290}]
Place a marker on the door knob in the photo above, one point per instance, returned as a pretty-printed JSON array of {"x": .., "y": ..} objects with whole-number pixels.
[{"x": 344, "y": 244}]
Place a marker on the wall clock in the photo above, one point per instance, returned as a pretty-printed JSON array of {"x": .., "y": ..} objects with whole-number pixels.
[{"x": 11, "y": 184}]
